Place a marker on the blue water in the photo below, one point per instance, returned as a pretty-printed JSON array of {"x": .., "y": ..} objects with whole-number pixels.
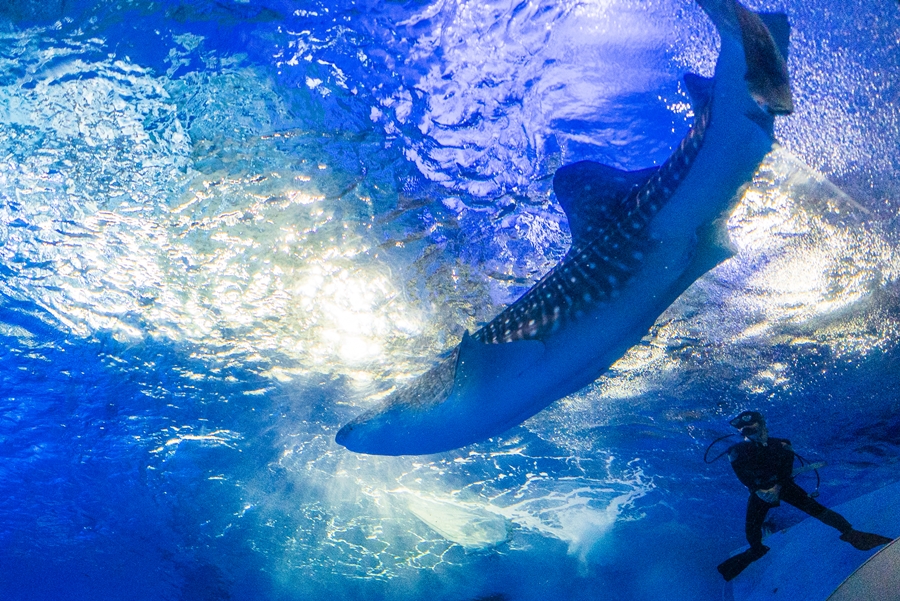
[{"x": 227, "y": 227}]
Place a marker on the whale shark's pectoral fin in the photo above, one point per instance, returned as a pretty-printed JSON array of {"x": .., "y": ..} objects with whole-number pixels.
[
  {"x": 480, "y": 365},
  {"x": 591, "y": 194}
]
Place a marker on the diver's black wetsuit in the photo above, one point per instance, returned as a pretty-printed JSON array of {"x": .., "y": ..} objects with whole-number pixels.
[{"x": 760, "y": 467}]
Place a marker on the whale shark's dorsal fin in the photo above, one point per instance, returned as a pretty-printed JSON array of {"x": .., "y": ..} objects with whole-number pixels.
[
  {"x": 700, "y": 89},
  {"x": 591, "y": 194},
  {"x": 780, "y": 29}
]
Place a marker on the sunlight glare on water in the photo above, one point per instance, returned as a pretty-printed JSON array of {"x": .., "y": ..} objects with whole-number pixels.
[
  {"x": 814, "y": 251},
  {"x": 238, "y": 251}
]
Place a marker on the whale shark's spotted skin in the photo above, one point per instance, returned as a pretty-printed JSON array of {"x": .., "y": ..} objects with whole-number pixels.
[{"x": 593, "y": 271}]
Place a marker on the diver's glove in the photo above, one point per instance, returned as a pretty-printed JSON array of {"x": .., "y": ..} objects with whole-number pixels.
[{"x": 770, "y": 495}]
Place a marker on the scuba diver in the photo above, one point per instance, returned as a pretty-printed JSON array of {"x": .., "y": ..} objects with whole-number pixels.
[{"x": 765, "y": 466}]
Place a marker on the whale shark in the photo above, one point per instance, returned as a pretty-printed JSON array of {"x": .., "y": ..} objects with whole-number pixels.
[{"x": 639, "y": 239}]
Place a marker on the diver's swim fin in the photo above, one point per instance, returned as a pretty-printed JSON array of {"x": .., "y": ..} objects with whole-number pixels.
[
  {"x": 864, "y": 541},
  {"x": 734, "y": 565}
]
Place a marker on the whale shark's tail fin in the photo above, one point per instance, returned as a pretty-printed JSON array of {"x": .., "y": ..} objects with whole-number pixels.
[{"x": 765, "y": 40}]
